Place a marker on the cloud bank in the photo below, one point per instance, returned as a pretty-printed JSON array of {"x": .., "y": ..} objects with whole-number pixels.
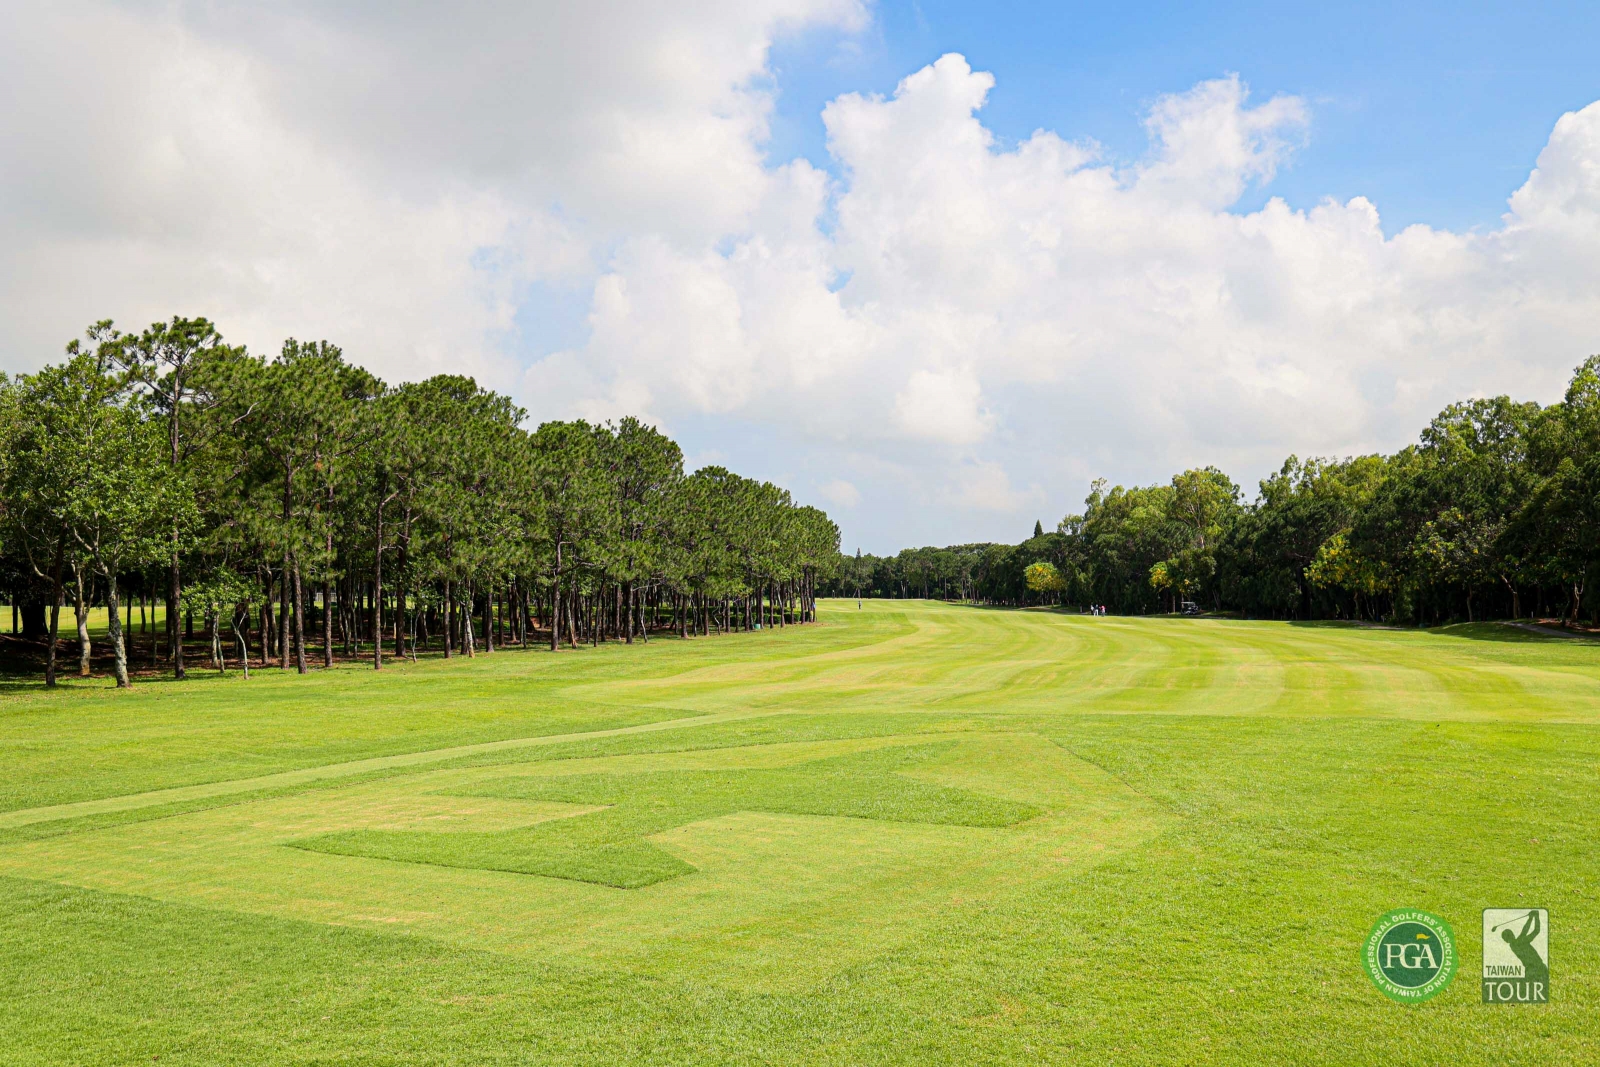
[{"x": 942, "y": 339}]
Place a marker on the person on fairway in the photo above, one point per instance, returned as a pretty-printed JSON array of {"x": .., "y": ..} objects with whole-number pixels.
[{"x": 1534, "y": 969}]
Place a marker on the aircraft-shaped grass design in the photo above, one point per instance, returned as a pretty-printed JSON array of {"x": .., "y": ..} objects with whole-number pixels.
[{"x": 609, "y": 847}]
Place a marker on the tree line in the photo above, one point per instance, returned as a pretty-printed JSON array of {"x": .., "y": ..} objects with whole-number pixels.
[
  {"x": 1493, "y": 513},
  {"x": 288, "y": 510}
]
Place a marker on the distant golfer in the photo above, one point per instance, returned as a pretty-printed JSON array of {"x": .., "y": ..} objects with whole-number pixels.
[{"x": 1534, "y": 969}]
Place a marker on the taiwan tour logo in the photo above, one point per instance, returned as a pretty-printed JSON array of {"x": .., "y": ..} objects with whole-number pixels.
[
  {"x": 1516, "y": 956},
  {"x": 1410, "y": 955}
]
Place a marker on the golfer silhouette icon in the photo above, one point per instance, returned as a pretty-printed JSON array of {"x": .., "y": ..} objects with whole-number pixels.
[{"x": 1534, "y": 968}]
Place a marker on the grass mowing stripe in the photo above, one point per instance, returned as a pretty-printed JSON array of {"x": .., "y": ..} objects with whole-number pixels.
[
  {"x": 285, "y": 780},
  {"x": 1222, "y": 810}
]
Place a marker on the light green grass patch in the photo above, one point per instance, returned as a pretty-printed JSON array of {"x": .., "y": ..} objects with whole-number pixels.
[
  {"x": 607, "y": 846},
  {"x": 793, "y": 876}
]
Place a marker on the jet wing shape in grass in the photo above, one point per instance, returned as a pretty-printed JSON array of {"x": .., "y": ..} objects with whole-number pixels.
[{"x": 609, "y": 847}]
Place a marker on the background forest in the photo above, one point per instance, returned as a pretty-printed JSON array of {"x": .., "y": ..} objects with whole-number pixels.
[
  {"x": 298, "y": 508},
  {"x": 1494, "y": 513}
]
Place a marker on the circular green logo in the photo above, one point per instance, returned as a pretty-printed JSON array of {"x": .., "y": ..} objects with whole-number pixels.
[{"x": 1410, "y": 955}]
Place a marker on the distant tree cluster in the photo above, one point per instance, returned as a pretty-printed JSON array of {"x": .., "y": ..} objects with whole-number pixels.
[
  {"x": 296, "y": 509},
  {"x": 1495, "y": 512}
]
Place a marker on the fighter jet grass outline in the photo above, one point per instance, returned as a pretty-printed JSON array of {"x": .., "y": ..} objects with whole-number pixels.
[{"x": 608, "y": 847}]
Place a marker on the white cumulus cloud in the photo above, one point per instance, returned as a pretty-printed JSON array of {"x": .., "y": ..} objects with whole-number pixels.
[{"x": 573, "y": 203}]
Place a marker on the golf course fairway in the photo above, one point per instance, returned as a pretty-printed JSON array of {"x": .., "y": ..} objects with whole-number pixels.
[{"x": 915, "y": 833}]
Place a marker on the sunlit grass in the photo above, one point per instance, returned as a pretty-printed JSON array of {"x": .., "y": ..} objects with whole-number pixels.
[{"x": 916, "y": 833}]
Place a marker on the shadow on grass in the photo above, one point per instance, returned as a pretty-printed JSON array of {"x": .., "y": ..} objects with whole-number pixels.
[
  {"x": 1514, "y": 633},
  {"x": 1338, "y": 624}
]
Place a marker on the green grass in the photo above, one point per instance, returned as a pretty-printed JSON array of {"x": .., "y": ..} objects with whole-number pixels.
[
  {"x": 914, "y": 834},
  {"x": 606, "y": 842}
]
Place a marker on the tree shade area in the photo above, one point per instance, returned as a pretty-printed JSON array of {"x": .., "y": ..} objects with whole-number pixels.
[
  {"x": 1494, "y": 513},
  {"x": 284, "y": 511}
]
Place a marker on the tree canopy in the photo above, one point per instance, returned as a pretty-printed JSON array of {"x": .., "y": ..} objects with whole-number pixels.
[
  {"x": 298, "y": 499},
  {"x": 1494, "y": 511}
]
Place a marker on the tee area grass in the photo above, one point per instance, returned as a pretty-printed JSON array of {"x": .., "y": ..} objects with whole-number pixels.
[{"x": 916, "y": 833}]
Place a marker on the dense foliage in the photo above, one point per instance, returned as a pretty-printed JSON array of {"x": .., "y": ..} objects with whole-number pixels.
[
  {"x": 1495, "y": 512},
  {"x": 298, "y": 507}
]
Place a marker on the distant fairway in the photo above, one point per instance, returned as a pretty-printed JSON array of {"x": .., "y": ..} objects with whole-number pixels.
[{"x": 917, "y": 833}]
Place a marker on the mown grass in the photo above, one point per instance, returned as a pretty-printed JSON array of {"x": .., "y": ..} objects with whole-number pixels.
[
  {"x": 607, "y": 846},
  {"x": 915, "y": 834}
]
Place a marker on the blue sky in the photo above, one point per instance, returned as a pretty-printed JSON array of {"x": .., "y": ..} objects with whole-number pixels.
[{"x": 1435, "y": 112}]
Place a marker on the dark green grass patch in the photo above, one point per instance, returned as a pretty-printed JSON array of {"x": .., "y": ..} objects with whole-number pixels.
[{"x": 607, "y": 846}]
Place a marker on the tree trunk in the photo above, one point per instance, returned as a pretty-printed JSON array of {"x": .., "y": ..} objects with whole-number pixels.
[
  {"x": 299, "y": 622},
  {"x": 347, "y": 618},
  {"x": 284, "y": 600},
  {"x": 119, "y": 650},
  {"x": 555, "y": 603},
  {"x": 174, "y": 595},
  {"x": 266, "y": 624},
  {"x": 327, "y": 619},
  {"x": 402, "y": 619},
  {"x": 488, "y": 619},
  {"x": 81, "y": 611},
  {"x": 155, "y": 635},
  {"x": 211, "y": 629},
  {"x": 523, "y": 612},
  {"x": 377, "y": 594},
  {"x": 1516, "y": 598},
  {"x": 244, "y": 643},
  {"x": 55, "y": 613},
  {"x": 327, "y": 586}
]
